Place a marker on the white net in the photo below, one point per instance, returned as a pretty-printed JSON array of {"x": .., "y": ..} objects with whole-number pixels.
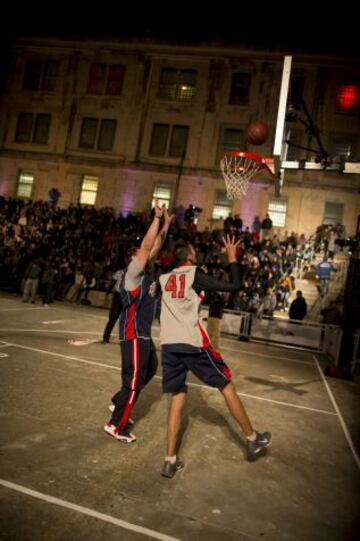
[{"x": 238, "y": 168}]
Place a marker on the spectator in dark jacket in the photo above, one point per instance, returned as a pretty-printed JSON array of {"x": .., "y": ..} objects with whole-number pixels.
[
  {"x": 331, "y": 314},
  {"x": 32, "y": 278},
  {"x": 298, "y": 307}
]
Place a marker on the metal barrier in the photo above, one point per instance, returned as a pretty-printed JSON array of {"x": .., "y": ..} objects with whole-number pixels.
[{"x": 302, "y": 334}]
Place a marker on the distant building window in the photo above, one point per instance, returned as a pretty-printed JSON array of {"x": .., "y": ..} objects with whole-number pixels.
[
  {"x": 115, "y": 80},
  {"x": 162, "y": 192},
  {"x": 24, "y": 127},
  {"x": 32, "y": 128},
  {"x": 240, "y": 88},
  {"x": 342, "y": 148},
  {"x": 348, "y": 98},
  {"x": 169, "y": 140},
  {"x": 179, "y": 137},
  {"x": 99, "y": 134},
  {"x": 333, "y": 213},
  {"x": 104, "y": 79},
  {"x": 41, "y": 129},
  {"x": 41, "y": 74},
  {"x": 96, "y": 79},
  {"x": 89, "y": 190},
  {"x": 222, "y": 206},
  {"x": 232, "y": 139},
  {"x": 25, "y": 184},
  {"x": 51, "y": 69},
  {"x": 177, "y": 85},
  {"x": 277, "y": 209},
  {"x": 106, "y": 134}
]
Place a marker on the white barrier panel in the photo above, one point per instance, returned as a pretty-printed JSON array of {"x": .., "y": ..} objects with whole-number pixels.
[
  {"x": 285, "y": 332},
  {"x": 230, "y": 323},
  {"x": 324, "y": 338},
  {"x": 332, "y": 341}
]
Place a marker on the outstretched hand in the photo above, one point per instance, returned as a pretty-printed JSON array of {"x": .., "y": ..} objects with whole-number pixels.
[
  {"x": 158, "y": 212},
  {"x": 230, "y": 247},
  {"x": 168, "y": 218}
]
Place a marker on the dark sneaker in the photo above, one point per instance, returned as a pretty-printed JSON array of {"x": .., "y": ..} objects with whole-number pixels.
[
  {"x": 130, "y": 422},
  {"x": 169, "y": 469},
  {"x": 104, "y": 341},
  {"x": 124, "y": 436},
  {"x": 257, "y": 448}
]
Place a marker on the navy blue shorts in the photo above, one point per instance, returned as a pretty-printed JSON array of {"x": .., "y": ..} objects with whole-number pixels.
[{"x": 206, "y": 363}]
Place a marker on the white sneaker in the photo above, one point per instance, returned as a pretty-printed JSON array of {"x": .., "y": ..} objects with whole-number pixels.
[
  {"x": 131, "y": 421},
  {"x": 124, "y": 436}
]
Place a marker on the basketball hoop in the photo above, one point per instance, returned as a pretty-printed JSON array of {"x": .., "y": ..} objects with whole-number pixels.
[{"x": 238, "y": 168}]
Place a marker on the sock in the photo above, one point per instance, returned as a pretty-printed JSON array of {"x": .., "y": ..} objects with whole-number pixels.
[
  {"x": 171, "y": 459},
  {"x": 252, "y": 437}
]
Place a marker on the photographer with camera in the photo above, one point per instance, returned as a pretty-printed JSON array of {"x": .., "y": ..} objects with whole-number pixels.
[{"x": 191, "y": 217}]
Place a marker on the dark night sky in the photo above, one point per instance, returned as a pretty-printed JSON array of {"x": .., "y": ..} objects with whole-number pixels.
[{"x": 307, "y": 28}]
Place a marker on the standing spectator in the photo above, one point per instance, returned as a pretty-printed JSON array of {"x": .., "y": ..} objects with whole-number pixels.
[
  {"x": 238, "y": 223},
  {"x": 89, "y": 283},
  {"x": 266, "y": 227},
  {"x": 216, "y": 311},
  {"x": 116, "y": 306},
  {"x": 298, "y": 307},
  {"x": 229, "y": 223},
  {"x": 47, "y": 284},
  {"x": 323, "y": 273},
  {"x": 256, "y": 228},
  {"x": 32, "y": 278}
]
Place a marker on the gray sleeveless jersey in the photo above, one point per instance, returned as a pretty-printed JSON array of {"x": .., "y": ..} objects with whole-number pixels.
[{"x": 179, "y": 319}]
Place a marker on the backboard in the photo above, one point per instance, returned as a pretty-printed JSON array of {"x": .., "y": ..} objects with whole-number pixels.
[{"x": 320, "y": 160}]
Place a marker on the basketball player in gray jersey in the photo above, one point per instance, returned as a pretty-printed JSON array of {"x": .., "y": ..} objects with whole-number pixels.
[{"x": 185, "y": 346}]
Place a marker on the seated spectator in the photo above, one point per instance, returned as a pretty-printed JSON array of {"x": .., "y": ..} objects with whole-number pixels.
[{"x": 269, "y": 303}]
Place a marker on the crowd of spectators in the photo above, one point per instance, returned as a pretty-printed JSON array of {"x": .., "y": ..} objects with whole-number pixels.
[{"x": 63, "y": 253}]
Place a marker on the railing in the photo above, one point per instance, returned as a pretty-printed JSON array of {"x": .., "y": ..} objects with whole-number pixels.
[{"x": 301, "y": 334}]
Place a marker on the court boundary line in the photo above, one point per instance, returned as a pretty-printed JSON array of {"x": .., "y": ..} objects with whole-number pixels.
[
  {"x": 87, "y": 511},
  {"x": 339, "y": 415},
  {"x": 112, "y": 367},
  {"x": 155, "y": 338}
]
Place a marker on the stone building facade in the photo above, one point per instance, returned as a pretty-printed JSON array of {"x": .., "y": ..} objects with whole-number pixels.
[{"x": 113, "y": 123}]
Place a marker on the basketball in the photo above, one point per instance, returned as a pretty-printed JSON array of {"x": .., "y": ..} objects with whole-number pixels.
[{"x": 257, "y": 132}]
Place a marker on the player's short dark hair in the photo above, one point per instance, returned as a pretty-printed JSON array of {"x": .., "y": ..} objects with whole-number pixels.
[{"x": 181, "y": 253}]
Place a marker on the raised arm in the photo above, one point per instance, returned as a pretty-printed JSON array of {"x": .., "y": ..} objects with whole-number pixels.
[
  {"x": 208, "y": 283},
  {"x": 159, "y": 241},
  {"x": 143, "y": 254}
]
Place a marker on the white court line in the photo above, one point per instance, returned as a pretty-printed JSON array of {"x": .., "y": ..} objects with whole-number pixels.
[
  {"x": 84, "y": 313},
  {"x": 22, "y": 309},
  {"x": 86, "y": 511},
  {"x": 70, "y": 357},
  {"x": 112, "y": 367},
  {"x": 157, "y": 339},
  {"x": 265, "y": 399},
  {"x": 341, "y": 419},
  {"x": 58, "y": 331}
]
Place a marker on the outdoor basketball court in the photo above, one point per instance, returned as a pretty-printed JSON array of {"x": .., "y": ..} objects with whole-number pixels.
[{"x": 62, "y": 477}]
